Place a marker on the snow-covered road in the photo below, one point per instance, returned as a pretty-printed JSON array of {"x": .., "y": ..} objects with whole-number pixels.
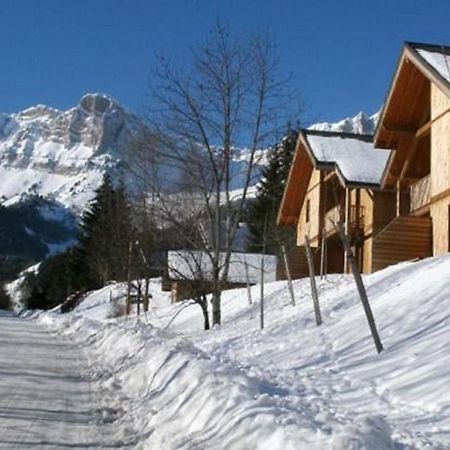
[{"x": 46, "y": 397}]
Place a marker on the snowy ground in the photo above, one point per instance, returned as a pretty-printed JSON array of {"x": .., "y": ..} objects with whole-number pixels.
[{"x": 292, "y": 385}]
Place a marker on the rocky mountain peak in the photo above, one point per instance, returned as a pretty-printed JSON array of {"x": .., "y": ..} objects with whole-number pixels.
[
  {"x": 98, "y": 103},
  {"x": 63, "y": 154},
  {"x": 359, "y": 124}
]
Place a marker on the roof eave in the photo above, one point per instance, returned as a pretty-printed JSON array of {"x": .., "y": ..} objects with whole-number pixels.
[{"x": 388, "y": 97}]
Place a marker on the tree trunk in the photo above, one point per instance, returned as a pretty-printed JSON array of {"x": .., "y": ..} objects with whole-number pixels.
[
  {"x": 204, "y": 305},
  {"x": 146, "y": 299},
  {"x": 216, "y": 312}
]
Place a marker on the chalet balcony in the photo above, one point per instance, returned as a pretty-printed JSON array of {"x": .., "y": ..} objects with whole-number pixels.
[
  {"x": 420, "y": 193},
  {"x": 337, "y": 214},
  {"x": 334, "y": 215}
]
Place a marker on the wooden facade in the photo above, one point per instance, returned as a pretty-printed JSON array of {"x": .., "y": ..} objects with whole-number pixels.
[
  {"x": 189, "y": 272},
  {"x": 415, "y": 122},
  {"x": 318, "y": 194},
  {"x": 186, "y": 289},
  {"x": 407, "y": 216}
]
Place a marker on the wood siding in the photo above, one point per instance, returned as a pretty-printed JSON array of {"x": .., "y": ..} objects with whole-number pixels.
[
  {"x": 384, "y": 210},
  {"x": 367, "y": 256},
  {"x": 298, "y": 264},
  {"x": 310, "y": 228},
  {"x": 185, "y": 289},
  {"x": 440, "y": 170},
  {"x": 405, "y": 238}
]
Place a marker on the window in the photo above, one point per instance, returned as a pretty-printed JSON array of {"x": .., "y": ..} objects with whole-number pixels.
[{"x": 307, "y": 210}]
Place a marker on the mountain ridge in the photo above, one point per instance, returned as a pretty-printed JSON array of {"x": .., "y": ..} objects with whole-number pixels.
[
  {"x": 54, "y": 160},
  {"x": 62, "y": 155}
]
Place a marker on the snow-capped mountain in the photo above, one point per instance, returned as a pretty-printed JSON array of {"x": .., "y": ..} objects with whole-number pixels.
[
  {"x": 62, "y": 155},
  {"x": 52, "y": 161},
  {"x": 360, "y": 124}
]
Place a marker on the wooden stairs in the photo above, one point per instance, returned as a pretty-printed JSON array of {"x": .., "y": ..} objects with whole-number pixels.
[{"x": 403, "y": 239}]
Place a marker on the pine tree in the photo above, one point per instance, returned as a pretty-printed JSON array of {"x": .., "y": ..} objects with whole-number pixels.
[
  {"x": 100, "y": 255},
  {"x": 264, "y": 234},
  {"x": 105, "y": 232}
]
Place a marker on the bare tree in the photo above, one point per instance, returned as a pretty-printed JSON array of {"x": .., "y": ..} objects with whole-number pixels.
[
  {"x": 207, "y": 124},
  {"x": 190, "y": 272}
]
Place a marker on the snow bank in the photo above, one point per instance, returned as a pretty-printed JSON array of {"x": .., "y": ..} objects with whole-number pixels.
[
  {"x": 17, "y": 290},
  {"x": 168, "y": 384}
]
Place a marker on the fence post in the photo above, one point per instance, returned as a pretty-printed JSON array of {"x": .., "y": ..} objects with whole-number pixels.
[
  {"x": 361, "y": 288},
  {"x": 322, "y": 254},
  {"x": 249, "y": 291},
  {"x": 146, "y": 300},
  {"x": 130, "y": 251},
  {"x": 288, "y": 274},
  {"x": 261, "y": 302},
  {"x": 312, "y": 279}
]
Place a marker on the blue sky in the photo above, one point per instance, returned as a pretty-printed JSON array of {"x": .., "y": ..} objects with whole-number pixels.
[{"x": 342, "y": 54}]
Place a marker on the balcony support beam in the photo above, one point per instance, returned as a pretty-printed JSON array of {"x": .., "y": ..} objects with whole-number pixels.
[{"x": 346, "y": 224}]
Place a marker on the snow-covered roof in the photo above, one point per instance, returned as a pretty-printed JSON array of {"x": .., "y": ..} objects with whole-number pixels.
[
  {"x": 353, "y": 156},
  {"x": 437, "y": 56},
  {"x": 192, "y": 265}
]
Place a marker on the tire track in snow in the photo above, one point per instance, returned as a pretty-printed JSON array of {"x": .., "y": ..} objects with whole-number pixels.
[{"x": 46, "y": 400}]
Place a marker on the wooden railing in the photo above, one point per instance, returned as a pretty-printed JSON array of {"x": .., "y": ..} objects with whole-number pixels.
[
  {"x": 336, "y": 214},
  {"x": 357, "y": 217},
  {"x": 333, "y": 215},
  {"x": 420, "y": 193}
]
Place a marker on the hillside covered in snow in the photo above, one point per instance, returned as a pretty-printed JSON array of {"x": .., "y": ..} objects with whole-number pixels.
[{"x": 169, "y": 384}]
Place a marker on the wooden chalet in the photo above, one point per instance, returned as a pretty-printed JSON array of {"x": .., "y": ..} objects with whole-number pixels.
[
  {"x": 415, "y": 122},
  {"x": 189, "y": 272},
  {"x": 336, "y": 177}
]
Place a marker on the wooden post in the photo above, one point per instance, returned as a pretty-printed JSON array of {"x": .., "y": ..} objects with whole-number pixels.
[
  {"x": 146, "y": 302},
  {"x": 128, "y": 305},
  {"x": 138, "y": 297},
  {"x": 288, "y": 274},
  {"x": 261, "y": 302},
  {"x": 312, "y": 279},
  {"x": 346, "y": 226},
  {"x": 249, "y": 290},
  {"x": 361, "y": 288},
  {"x": 322, "y": 254}
]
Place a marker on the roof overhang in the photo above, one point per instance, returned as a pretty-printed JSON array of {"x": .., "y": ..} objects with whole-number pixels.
[
  {"x": 296, "y": 184},
  {"x": 407, "y": 106},
  {"x": 303, "y": 163}
]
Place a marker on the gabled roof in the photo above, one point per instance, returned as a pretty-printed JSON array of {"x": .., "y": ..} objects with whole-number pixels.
[
  {"x": 352, "y": 156},
  {"x": 196, "y": 265},
  {"x": 407, "y": 104}
]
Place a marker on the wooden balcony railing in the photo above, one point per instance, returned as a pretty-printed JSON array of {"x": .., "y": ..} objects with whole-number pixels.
[
  {"x": 420, "y": 193},
  {"x": 333, "y": 215},
  {"x": 337, "y": 214},
  {"x": 357, "y": 217}
]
